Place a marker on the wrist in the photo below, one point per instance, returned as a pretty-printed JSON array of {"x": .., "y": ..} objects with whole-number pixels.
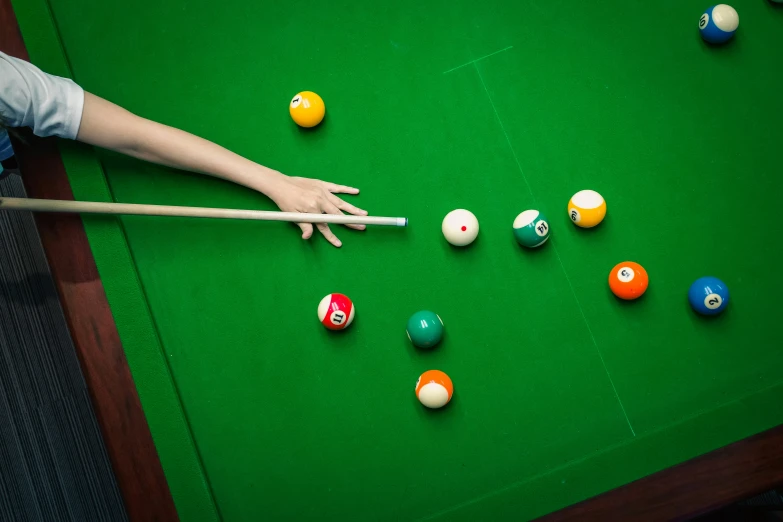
[{"x": 264, "y": 180}]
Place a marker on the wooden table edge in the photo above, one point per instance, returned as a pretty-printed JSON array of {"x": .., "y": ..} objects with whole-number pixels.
[{"x": 739, "y": 470}]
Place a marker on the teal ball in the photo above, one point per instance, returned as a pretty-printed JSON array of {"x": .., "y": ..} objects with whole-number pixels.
[
  {"x": 425, "y": 329},
  {"x": 531, "y": 229}
]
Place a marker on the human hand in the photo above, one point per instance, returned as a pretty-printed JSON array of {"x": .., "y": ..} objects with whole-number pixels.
[
  {"x": 107, "y": 125},
  {"x": 293, "y": 194}
]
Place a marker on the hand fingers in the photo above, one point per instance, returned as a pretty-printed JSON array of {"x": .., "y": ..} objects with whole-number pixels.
[
  {"x": 345, "y": 206},
  {"x": 340, "y": 189},
  {"x": 330, "y": 208},
  {"x": 324, "y": 228},
  {"x": 307, "y": 230}
]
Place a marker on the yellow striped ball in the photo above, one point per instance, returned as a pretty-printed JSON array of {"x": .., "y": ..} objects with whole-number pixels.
[{"x": 587, "y": 208}]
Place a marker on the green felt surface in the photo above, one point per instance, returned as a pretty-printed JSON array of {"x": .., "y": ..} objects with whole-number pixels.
[{"x": 561, "y": 391}]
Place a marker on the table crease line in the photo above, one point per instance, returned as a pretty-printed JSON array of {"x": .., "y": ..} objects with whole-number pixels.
[
  {"x": 478, "y": 59},
  {"x": 560, "y": 261}
]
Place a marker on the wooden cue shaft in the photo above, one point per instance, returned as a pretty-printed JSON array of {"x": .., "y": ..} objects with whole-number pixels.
[{"x": 89, "y": 207}]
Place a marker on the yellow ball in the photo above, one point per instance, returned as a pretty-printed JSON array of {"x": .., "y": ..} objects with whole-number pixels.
[
  {"x": 587, "y": 208},
  {"x": 307, "y": 109}
]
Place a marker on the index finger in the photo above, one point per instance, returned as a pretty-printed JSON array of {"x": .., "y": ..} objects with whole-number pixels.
[
  {"x": 328, "y": 234},
  {"x": 341, "y": 189},
  {"x": 346, "y": 207}
]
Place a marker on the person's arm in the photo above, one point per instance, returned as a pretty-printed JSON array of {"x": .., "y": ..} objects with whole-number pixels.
[{"x": 107, "y": 125}]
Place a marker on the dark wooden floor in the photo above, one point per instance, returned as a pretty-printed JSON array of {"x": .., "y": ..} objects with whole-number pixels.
[{"x": 53, "y": 463}]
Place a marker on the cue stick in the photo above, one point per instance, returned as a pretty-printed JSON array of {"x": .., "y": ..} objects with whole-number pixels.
[{"x": 89, "y": 207}]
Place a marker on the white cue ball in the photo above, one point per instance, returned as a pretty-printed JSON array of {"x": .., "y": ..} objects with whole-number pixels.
[{"x": 460, "y": 227}]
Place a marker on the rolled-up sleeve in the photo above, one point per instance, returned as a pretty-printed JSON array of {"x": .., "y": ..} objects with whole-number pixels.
[{"x": 49, "y": 105}]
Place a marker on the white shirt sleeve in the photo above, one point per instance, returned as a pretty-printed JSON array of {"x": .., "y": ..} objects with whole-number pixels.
[{"x": 50, "y": 105}]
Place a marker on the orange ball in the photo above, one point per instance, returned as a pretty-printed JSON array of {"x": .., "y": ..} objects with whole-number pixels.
[
  {"x": 628, "y": 280},
  {"x": 434, "y": 389},
  {"x": 307, "y": 109}
]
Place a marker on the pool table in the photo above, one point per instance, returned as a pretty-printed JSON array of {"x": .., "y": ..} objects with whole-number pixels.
[{"x": 201, "y": 336}]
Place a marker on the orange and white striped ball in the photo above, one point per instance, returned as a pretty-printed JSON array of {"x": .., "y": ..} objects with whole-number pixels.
[
  {"x": 336, "y": 311},
  {"x": 434, "y": 389},
  {"x": 587, "y": 208}
]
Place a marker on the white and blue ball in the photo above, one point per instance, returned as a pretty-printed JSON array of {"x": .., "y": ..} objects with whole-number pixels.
[{"x": 718, "y": 23}]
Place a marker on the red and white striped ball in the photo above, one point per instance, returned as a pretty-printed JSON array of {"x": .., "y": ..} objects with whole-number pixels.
[{"x": 336, "y": 311}]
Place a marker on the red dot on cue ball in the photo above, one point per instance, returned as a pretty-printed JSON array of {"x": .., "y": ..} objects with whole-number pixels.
[{"x": 464, "y": 228}]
